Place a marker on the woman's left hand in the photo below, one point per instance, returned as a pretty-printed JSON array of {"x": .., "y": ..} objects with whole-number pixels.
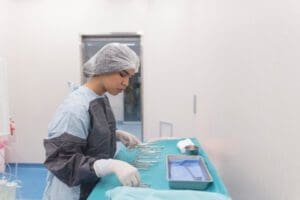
[{"x": 129, "y": 140}]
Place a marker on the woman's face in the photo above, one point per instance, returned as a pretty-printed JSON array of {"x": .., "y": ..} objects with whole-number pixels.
[{"x": 116, "y": 82}]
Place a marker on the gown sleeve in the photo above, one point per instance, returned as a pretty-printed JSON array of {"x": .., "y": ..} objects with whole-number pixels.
[{"x": 64, "y": 151}]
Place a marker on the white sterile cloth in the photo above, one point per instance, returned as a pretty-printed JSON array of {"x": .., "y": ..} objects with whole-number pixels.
[{"x": 183, "y": 143}]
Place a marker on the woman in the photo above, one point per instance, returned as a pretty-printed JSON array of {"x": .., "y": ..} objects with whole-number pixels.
[{"x": 82, "y": 135}]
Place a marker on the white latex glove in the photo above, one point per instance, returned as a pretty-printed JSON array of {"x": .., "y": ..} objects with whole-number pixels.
[
  {"x": 127, "y": 174},
  {"x": 127, "y": 139}
]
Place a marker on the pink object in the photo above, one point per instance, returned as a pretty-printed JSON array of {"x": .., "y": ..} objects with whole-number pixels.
[
  {"x": 12, "y": 126},
  {"x": 3, "y": 143},
  {"x": 2, "y": 160}
]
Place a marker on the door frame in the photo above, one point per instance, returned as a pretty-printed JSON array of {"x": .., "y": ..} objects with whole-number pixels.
[{"x": 118, "y": 35}]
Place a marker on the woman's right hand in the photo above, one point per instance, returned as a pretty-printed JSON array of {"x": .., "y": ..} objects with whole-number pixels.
[{"x": 126, "y": 173}]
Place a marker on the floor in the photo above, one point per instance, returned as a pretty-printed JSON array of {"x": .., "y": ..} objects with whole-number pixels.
[{"x": 30, "y": 177}]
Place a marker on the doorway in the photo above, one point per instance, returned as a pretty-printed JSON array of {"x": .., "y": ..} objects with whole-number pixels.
[{"x": 127, "y": 105}]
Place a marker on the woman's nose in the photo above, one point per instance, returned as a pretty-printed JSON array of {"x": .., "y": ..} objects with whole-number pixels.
[{"x": 125, "y": 82}]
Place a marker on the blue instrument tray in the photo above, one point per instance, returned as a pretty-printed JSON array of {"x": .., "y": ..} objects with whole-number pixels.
[{"x": 187, "y": 172}]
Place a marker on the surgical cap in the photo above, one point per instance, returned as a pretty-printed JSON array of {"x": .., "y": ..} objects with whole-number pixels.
[{"x": 113, "y": 57}]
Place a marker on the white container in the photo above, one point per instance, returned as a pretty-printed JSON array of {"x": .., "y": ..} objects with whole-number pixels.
[
  {"x": 11, "y": 188},
  {"x": 3, "y": 191}
]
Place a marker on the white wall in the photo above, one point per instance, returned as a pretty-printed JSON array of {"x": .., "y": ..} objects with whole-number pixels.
[
  {"x": 4, "y": 105},
  {"x": 240, "y": 58},
  {"x": 248, "y": 90}
]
